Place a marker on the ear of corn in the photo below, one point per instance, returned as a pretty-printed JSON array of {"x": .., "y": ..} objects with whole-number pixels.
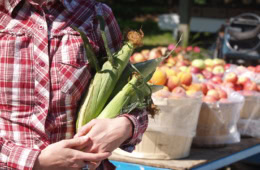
[{"x": 104, "y": 82}]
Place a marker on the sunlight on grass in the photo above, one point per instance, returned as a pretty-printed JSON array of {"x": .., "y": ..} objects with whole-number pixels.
[{"x": 163, "y": 39}]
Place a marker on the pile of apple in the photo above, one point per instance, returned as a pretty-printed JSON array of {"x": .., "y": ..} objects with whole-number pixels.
[
  {"x": 240, "y": 83},
  {"x": 176, "y": 83},
  {"x": 208, "y": 68}
]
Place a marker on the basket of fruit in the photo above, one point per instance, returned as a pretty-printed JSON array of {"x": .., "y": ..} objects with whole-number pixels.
[
  {"x": 217, "y": 125},
  {"x": 170, "y": 132}
]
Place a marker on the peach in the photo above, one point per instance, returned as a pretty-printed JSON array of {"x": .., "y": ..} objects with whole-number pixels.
[
  {"x": 231, "y": 77},
  {"x": 173, "y": 81},
  {"x": 159, "y": 77}
]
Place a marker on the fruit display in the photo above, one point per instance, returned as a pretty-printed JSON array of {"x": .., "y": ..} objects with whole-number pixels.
[{"x": 227, "y": 91}]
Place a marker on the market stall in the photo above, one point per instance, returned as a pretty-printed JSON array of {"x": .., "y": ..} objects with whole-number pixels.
[{"x": 208, "y": 112}]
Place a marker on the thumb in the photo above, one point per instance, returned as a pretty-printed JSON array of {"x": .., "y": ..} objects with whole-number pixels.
[
  {"x": 75, "y": 142},
  {"x": 86, "y": 128}
]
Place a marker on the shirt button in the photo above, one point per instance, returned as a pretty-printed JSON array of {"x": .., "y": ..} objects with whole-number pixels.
[
  {"x": 42, "y": 64},
  {"x": 40, "y": 27}
]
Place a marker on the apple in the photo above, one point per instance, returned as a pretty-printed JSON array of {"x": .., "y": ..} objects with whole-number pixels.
[
  {"x": 222, "y": 94},
  {"x": 195, "y": 70},
  {"x": 159, "y": 77},
  {"x": 178, "y": 92},
  {"x": 154, "y": 53},
  {"x": 209, "y": 62},
  {"x": 170, "y": 72},
  {"x": 219, "y": 69},
  {"x": 185, "y": 78},
  {"x": 138, "y": 57},
  {"x": 183, "y": 68},
  {"x": 173, "y": 81},
  {"x": 238, "y": 87},
  {"x": 250, "y": 86},
  {"x": 214, "y": 93},
  {"x": 217, "y": 79},
  {"x": 258, "y": 87},
  {"x": 210, "y": 86},
  {"x": 243, "y": 80},
  {"x": 171, "y": 60},
  {"x": 227, "y": 66},
  {"x": 200, "y": 77},
  {"x": 231, "y": 77},
  {"x": 145, "y": 53},
  {"x": 171, "y": 47},
  {"x": 229, "y": 85},
  {"x": 207, "y": 74},
  {"x": 257, "y": 69},
  {"x": 204, "y": 88},
  {"x": 251, "y": 68},
  {"x": 198, "y": 63},
  {"x": 218, "y": 62},
  {"x": 209, "y": 99}
]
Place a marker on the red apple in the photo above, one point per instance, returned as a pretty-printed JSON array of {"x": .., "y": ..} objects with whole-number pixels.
[
  {"x": 222, "y": 94},
  {"x": 251, "y": 68},
  {"x": 219, "y": 69},
  {"x": 217, "y": 79},
  {"x": 207, "y": 74},
  {"x": 138, "y": 57},
  {"x": 185, "y": 78},
  {"x": 257, "y": 69},
  {"x": 231, "y": 77},
  {"x": 199, "y": 63},
  {"x": 173, "y": 81},
  {"x": 229, "y": 85},
  {"x": 238, "y": 87},
  {"x": 209, "y": 99},
  {"x": 213, "y": 93},
  {"x": 195, "y": 70},
  {"x": 243, "y": 80},
  {"x": 204, "y": 88},
  {"x": 251, "y": 86}
]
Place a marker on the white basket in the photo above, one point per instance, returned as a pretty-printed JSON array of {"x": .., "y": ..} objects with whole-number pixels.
[
  {"x": 217, "y": 125},
  {"x": 249, "y": 123},
  {"x": 169, "y": 134}
]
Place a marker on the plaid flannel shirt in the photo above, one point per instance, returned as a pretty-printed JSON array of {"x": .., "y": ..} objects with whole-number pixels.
[{"x": 43, "y": 72}]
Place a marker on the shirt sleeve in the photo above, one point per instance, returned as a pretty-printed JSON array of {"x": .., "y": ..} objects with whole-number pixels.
[
  {"x": 13, "y": 156},
  {"x": 112, "y": 30},
  {"x": 139, "y": 118}
]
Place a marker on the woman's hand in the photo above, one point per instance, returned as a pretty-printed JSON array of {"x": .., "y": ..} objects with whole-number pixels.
[
  {"x": 63, "y": 156},
  {"x": 106, "y": 134}
]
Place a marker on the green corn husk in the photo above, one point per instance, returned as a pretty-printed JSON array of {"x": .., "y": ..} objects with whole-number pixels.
[{"x": 105, "y": 80}]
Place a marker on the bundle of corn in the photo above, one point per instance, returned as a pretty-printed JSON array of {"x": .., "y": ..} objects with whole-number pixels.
[{"x": 107, "y": 97}]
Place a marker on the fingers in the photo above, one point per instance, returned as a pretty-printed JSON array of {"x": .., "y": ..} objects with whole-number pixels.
[
  {"x": 85, "y": 129},
  {"x": 76, "y": 142},
  {"x": 91, "y": 157}
]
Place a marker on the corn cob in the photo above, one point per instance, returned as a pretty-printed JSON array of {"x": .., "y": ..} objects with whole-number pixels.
[{"x": 105, "y": 80}]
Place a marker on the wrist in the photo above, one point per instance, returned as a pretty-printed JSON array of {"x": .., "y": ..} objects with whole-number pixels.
[{"x": 128, "y": 127}]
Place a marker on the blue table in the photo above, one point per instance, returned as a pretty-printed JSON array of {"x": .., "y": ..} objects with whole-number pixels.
[{"x": 199, "y": 159}]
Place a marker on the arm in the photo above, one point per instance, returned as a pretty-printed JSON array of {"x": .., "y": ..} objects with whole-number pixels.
[{"x": 14, "y": 156}]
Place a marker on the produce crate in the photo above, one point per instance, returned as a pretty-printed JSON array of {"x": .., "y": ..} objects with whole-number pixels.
[{"x": 169, "y": 134}]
